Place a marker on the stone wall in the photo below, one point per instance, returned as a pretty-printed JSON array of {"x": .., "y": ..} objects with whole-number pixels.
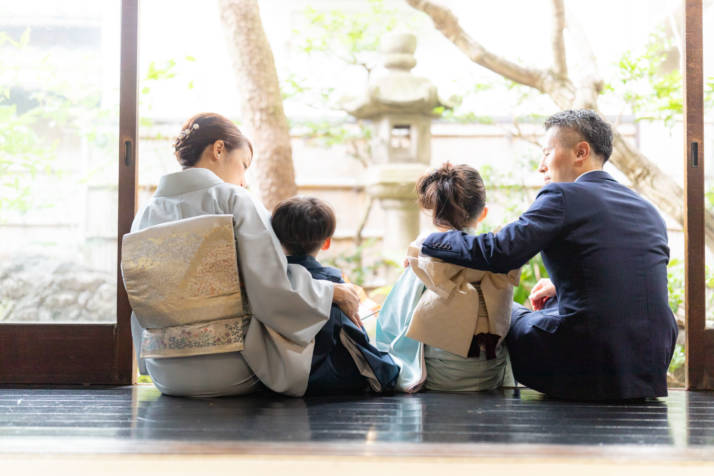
[{"x": 40, "y": 289}]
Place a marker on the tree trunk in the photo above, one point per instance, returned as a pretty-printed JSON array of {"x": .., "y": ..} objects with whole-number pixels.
[
  {"x": 262, "y": 104},
  {"x": 646, "y": 177}
]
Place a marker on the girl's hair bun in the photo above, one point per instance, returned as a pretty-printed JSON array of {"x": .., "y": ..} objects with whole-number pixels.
[{"x": 455, "y": 193}]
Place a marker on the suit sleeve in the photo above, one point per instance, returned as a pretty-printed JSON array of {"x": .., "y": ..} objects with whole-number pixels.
[
  {"x": 511, "y": 247},
  {"x": 282, "y": 296}
]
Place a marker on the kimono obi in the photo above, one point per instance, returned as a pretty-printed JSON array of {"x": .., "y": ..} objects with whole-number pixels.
[
  {"x": 450, "y": 312},
  {"x": 184, "y": 286}
]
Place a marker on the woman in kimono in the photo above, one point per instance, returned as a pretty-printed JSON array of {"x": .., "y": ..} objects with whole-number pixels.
[{"x": 288, "y": 307}]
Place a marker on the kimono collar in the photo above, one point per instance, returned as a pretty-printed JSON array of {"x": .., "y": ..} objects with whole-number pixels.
[{"x": 189, "y": 180}]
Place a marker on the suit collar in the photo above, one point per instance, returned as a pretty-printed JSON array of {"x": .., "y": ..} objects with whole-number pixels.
[
  {"x": 317, "y": 270},
  {"x": 595, "y": 176},
  {"x": 307, "y": 261}
]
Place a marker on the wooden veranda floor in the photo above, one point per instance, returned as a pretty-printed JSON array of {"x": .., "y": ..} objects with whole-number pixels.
[{"x": 509, "y": 426}]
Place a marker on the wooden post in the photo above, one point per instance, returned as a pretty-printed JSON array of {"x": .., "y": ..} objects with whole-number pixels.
[
  {"x": 123, "y": 370},
  {"x": 699, "y": 341}
]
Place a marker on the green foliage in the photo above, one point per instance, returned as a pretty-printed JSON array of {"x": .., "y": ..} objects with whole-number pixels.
[
  {"x": 22, "y": 42},
  {"x": 328, "y": 134},
  {"x": 531, "y": 273},
  {"x": 339, "y": 39},
  {"x": 348, "y": 35},
  {"x": 675, "y": 288},
  {"x": 144, "y": 379},
  {"x": 358, "y": 267},
  {"x": 675, "y": 285},
  {"x": 644, "y": 84},
  {"x": 158, "y": 75},
  {"x": 23, "y": 155},
  {"x": 678, "y": 359}
]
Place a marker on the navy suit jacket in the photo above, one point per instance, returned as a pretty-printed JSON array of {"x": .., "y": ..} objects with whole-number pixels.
[
  {"x": 333, "y": 369},
  {"x": 610, "y": 333}
]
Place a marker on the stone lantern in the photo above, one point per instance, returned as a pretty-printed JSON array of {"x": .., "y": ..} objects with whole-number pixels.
[{"x": 400, "y": 107}]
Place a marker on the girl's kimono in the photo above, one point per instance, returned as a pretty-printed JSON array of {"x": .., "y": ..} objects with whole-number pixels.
[
  {"x": 287, "y": 306},
  {"x": 444, "y": 325}
]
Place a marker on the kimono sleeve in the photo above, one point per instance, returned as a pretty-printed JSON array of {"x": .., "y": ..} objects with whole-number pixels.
[
  {"x": 282, "y": 296},
  {"x": 392, "y": 325}
]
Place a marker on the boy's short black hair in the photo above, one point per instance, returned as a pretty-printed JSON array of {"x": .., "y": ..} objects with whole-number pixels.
[{"x": 302, "y": 224}]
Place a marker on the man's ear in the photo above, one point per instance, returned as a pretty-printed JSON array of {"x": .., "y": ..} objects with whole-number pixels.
[
  {"x": 326, "y": 244},
  {"x": 483, "y": 214},
  {"x": 582, "y": 152}
]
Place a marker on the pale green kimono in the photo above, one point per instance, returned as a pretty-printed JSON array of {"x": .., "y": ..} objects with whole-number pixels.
[{"x": 288, "y": 306}]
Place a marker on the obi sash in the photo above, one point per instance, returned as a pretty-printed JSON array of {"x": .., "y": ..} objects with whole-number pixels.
[
  {"x": 449, "y": 312},
  {"x": 183, "y": 283}
]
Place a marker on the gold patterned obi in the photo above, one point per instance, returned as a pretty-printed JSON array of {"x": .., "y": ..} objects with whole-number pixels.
[{"x": 183, "y": 284}]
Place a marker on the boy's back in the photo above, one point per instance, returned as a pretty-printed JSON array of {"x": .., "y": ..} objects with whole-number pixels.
[
  {"x": 335, "y": 369},
  {"x": 343, "y": 358}
]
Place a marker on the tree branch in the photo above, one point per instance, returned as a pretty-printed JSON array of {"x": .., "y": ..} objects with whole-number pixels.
[
  {"x": 559, "y": 58},
  {"x": 655, "y": 184},
  {"x": 363, "y": 221},
  {"x": 589, "y": 83},
  {"x": 519, "y": 134},
  {"x": 645, "y": 176},
  {"x": 447, "y": 23}
]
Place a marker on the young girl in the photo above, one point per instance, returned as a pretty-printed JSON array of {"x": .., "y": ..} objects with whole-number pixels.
[{"x": 442, "y": 323}]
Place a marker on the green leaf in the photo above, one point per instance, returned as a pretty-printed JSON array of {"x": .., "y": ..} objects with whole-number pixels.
[{"x": 24, "y": 38}]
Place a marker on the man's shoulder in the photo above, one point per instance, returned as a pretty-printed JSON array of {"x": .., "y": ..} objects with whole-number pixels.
[{"x": 581, "y": 188}]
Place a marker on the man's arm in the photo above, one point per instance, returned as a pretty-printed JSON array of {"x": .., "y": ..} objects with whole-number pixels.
[{"x": 511, "y": 247}]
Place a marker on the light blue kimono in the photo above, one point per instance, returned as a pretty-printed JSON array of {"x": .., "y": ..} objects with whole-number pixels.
[
  {"x": 434, "y": 368},
  {"x": 392, "y": 325}
]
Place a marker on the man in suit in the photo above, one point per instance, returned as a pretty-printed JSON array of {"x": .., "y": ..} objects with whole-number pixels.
[{"x": 601, "y": 328}]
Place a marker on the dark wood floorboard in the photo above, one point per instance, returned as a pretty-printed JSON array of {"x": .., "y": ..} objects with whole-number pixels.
[{"x": 140, "y": 420}]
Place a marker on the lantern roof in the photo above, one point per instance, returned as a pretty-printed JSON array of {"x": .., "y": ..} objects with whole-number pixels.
[{"x": 393, "y": 89}]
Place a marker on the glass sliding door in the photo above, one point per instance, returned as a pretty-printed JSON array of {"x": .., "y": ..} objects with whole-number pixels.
[{"x": 67, "y": 161}]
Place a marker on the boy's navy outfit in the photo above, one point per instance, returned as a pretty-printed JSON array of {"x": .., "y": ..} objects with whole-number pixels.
[
  {"x": 343, "y": 359},
  {"x": 609, "y": 332}
]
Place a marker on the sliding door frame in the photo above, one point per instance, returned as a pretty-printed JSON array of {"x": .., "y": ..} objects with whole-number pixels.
[
  {"x": 699, "y": 339},
  {"x": 88, "y": 353}
]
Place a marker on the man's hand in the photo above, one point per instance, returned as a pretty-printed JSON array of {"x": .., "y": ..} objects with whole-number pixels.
[
  {"x": 347, "y": 299},
  {"x": 541, "y": 292}
]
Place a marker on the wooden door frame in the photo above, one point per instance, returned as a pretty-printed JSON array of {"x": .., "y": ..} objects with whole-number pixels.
[
  {"x": 699, "y": 339},
  {"x": 88, "y": 353}
]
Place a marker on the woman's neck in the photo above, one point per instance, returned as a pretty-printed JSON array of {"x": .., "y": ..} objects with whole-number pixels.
[{"x": 468, "y": 228}]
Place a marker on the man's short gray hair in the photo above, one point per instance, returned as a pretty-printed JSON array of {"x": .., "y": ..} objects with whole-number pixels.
[{"x": 591, "y": 127}]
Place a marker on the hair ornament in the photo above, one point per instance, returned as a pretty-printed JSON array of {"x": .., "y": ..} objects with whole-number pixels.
[{"x": 185, "y": 133}]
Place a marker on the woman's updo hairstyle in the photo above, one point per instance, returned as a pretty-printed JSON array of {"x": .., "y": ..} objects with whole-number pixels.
[
  {"x": 203, "y": 130},
  {"x": 455, "y": 193}
]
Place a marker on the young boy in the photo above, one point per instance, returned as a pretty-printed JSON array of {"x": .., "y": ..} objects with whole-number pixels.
[{"x": 343, "y": 359}]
